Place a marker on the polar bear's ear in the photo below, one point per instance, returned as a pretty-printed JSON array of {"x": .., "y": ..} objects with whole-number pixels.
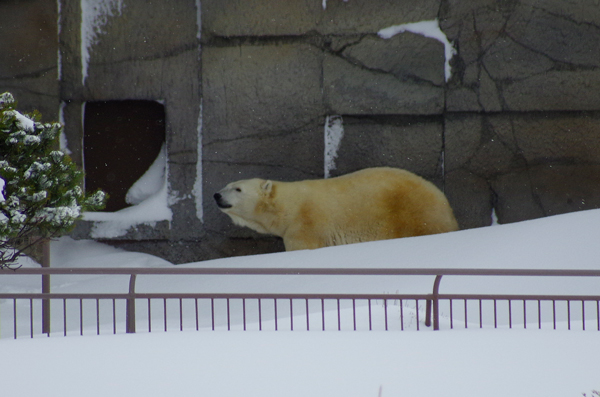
[{"x": 266, "y": 186}]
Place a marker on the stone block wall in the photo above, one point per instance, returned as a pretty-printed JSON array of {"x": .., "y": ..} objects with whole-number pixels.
[
  {"x": 249, "y": 86},
  {"x": 514, "y": 131},
  {"x": 522, "y": 129},
  {"x": 273, "y": 72}
]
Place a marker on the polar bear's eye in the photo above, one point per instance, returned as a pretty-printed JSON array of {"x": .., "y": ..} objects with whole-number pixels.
[{"x": 237, "y": 189}]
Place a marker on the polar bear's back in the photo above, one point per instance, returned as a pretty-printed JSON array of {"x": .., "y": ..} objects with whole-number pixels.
[{"x": 371, "y": 204}]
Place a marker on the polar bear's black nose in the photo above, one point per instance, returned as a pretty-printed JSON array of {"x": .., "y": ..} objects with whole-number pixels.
[{"x": 221, "y": 203}]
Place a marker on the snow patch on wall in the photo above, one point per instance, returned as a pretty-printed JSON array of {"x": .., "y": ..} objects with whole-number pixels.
[
  {"x": 324, "y": 4},
  {"x": 197, "y": 189},
  {"x": 334, "y": 132},
  {"x": 429, "y": 29},
  {"x": 151, "y": 199},
  {"x": 494, "y": 218},
  {"x": 174, "y": 197},
  {"x": 198, "y": 19},
  {"x": 62, "y": 139},
  {"x": 94, "y": 15}
]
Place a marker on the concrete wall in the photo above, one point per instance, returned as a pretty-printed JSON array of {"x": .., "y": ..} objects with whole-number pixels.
[
  {"x": 29, "y": 60},
  {"x": 145, "y": 51},
  {"x": 515, "y": 129}
]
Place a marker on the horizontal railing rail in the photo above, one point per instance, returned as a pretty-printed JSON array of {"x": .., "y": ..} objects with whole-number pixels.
[
  {"x": 304, "y": 271},
  {"x": 432, "y": 300}
]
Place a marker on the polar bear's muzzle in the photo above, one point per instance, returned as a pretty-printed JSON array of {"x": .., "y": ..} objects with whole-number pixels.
[{"x": 221, "y": 203}]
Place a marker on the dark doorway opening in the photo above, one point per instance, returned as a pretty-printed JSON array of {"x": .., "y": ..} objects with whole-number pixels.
[{"x": 121, "y": 140}]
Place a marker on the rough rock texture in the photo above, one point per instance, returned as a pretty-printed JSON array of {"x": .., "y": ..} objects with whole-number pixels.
[
  {"x": 260, "y": 89},
  {"x": 409, "y": 142},
  {"x": 529, "y": 55},
  {"x": 278, "y": 18},
  {"x": 514, "y": 131},
  {"x": 382, "y": 92},
  {"x": 525, "y": 165}
]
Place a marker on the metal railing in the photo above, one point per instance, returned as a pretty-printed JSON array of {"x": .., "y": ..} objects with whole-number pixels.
[{"x": 312, "y": 307}]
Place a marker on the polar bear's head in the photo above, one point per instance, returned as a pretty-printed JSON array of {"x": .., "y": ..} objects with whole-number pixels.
[{"x": 244, "y": 201}]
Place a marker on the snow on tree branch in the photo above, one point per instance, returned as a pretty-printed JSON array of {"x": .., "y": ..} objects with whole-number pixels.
[{"x": 40, "y": 187}]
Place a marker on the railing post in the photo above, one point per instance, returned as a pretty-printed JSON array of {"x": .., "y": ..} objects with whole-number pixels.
[
  {"x": 428, "y": 313},
  {"x": 130, "y": 309},
  {"x": 45, "y": 287},
  {"x": 434, "y": 301}
]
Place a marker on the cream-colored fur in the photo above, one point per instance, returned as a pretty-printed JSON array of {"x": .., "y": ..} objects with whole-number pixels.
[{"x": 371, "y": 204}]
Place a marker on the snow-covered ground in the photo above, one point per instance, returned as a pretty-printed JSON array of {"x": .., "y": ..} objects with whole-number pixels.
[
  {"x": 327, "y": 364},
  {"x": 456, "y": 362}
]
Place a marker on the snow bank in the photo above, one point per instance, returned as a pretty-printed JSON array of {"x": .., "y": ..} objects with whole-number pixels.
[
  {"x": 429, "y": 29},
  {"x": 561, "y": 241},
  {"x": 465, "y": 363}
]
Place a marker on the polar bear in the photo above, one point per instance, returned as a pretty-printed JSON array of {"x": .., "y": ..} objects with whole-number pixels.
[{"x": 367, "y": 205}]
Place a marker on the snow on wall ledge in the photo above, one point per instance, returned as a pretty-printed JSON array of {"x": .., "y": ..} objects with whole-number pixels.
[
  {"x": 151, "y": 182},
  {"x": 429, "y": 29},
  {"x": 117, "y": 224},
  {"x": 151, "y": 198}
]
